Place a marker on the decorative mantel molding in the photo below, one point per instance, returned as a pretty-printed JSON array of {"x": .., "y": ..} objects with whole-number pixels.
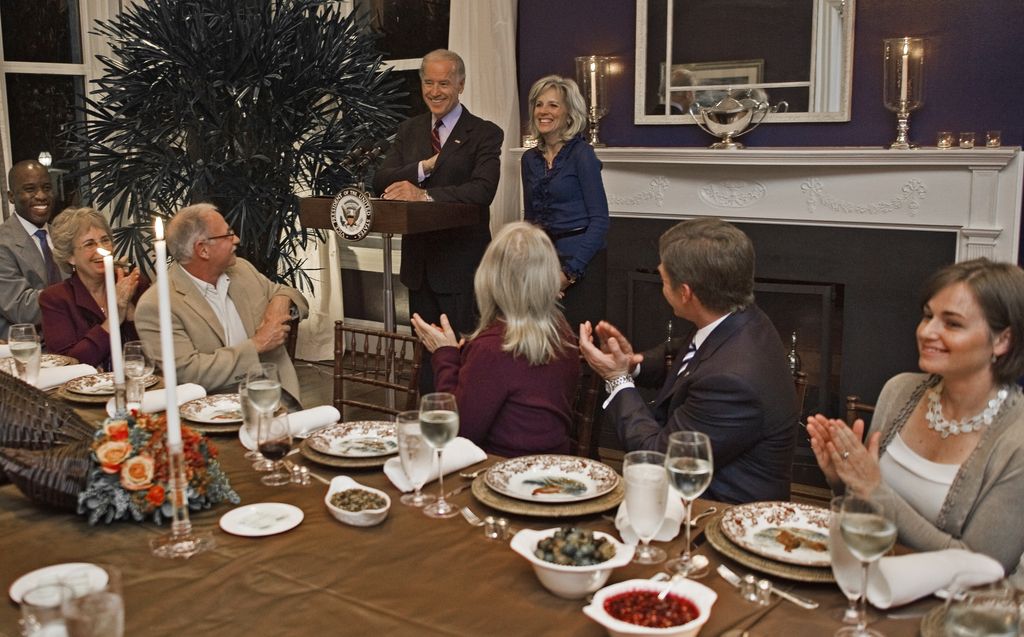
[{"x": 976, "y": 193}]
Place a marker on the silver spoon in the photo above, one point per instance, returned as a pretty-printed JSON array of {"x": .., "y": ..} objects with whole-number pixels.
[
  {"x": 470, "y": 475},
  {"x": 707, "y": 512}
]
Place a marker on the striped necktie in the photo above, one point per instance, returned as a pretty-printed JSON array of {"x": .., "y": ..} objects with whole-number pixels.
[
  {"x": 435, "y": 136},
  {"x": 691, "y": 351},
  {"x": 52, "y": 271}
]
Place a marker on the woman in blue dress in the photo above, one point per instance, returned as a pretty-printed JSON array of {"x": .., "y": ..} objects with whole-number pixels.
[{"x": 563, "y": 194}]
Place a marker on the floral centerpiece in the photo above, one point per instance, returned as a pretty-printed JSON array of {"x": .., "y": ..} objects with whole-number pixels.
[{"x": 130, "y": 479}]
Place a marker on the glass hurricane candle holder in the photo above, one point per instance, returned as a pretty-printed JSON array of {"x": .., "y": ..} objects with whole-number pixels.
[
  {"x": 903, "y": 84},
  {"x": 591, "y": 75}
]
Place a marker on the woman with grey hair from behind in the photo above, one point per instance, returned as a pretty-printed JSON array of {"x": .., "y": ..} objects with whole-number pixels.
[
  {"x": 74, "y": 311},
  {"x": 514, "y": 378}
]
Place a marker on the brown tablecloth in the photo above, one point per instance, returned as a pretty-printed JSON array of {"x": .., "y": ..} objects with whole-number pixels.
[{"x": 409, "y": 576}]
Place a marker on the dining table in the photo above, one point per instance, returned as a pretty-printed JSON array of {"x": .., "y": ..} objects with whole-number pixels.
[{"x": 409, "y": 575}]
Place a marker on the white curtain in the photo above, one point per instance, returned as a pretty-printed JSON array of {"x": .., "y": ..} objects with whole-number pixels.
[{"x": 483, "y": 32}]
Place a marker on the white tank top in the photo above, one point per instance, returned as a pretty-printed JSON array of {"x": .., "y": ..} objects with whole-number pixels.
[{"x": 922, "y": 483}]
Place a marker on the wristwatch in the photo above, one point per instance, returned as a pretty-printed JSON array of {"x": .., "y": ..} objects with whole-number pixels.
[
  {"x": 426, "y": 196},
  {"x": 618, "y": 381}
]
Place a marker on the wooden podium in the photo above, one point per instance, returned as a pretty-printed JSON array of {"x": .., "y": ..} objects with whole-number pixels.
[{"x": 391, "y": 218}]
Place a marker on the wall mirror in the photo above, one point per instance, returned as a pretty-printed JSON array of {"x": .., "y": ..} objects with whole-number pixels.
[{"x": 800, "y": 51}]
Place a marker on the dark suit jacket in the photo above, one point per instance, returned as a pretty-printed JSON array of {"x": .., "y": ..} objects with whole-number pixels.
[
  {"x": 739, "y": 391},
  {"x": 73, "y": 322},
  {"x": 467, "y": 171},
  {"x": 22, "y": 275}
]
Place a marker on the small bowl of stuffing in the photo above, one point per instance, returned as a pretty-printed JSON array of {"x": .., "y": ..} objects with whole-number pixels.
[
  {"x": 633, "y": 608},
  {"x": 356, "y": 504},
  {"x": 572, "y": 562}
]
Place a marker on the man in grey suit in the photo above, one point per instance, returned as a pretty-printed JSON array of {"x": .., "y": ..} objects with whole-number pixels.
[
  {"x": 26, "y": 261},
  {"x": 225, "y": 315},
  {"x": 446, "y": 155},
  {"x": 729, "y": 380}
]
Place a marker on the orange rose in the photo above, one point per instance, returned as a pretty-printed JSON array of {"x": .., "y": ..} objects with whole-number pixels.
[
  {"x": 137, "y": 473},
  {"x": 155, "y": 495},
  {"x": 111, "y": 454},
  {"x": 116, "y": 429}
]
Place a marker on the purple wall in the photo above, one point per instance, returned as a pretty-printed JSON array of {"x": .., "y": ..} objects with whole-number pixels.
[{"x": 974, "y": 74}]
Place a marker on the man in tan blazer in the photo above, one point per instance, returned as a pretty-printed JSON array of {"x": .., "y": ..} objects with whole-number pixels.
[{"x": 226, "y": 316}]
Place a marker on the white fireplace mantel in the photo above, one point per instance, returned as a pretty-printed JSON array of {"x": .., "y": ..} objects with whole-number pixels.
[{"x": 975, "y": 193}]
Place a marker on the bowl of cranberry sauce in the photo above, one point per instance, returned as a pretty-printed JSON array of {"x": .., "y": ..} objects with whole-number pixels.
[{"x": 633, "y": 608}]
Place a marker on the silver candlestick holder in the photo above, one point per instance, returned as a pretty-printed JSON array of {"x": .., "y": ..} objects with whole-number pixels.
[
  {"x": 592, "y": 77},
  {"x": 903, "y": 84}
]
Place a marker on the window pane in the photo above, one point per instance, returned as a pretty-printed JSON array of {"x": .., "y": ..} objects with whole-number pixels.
[
  {"x": 41, "y": 31},
  {"x": 415, "y": 98},
  {"x": 409, "y": 29}
]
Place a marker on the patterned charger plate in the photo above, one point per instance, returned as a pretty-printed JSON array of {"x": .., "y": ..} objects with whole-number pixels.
[
  {"x": 717, "y": 539},
  {"x": 356, "y": 439},
  {"x": 219, "y": 409},
  {"x": 101, "y": 384},
  {"x": 789, "y": 532},
  {"x": 551, "y": 478},
  {"x": 495, "y": 500},
  {"x": 52, "y": 360},
  {"x": 373, "y": 462}
]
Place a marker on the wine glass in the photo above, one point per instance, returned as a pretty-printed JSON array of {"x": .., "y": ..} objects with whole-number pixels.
[
  {"x": 439, "y": 423},
  {"x": 986, "y": 609},
  {"x": 417, "y": 457},
  {"x": 845, "y": 567},
  {"x": 869, "y": 532},
  {"x": 646, "y": 499},
  {"x": 24, "y": 343},
  {"x": 251, "y": 426},
  {"x": 137, "y": 366},
  {"x": 690, "y": 465},
  {"x": 275, "y": 441}
]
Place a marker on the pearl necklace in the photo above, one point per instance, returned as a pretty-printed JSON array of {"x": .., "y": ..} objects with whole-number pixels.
[{"x": 938, "y": 422}]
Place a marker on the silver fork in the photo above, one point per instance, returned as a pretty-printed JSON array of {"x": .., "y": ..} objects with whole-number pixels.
[{"x": 471, "y": 517}]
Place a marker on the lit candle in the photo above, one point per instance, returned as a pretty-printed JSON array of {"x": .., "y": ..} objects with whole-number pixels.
[
  {"x": 113, "y": 317},
  {"x": 166, "y": 336},
  {"x": 904, "y": 71},
  {"x": 593, "y": 84}
]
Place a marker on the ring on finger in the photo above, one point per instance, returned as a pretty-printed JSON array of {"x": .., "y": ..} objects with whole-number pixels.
[{"x": 845, "y": 455}]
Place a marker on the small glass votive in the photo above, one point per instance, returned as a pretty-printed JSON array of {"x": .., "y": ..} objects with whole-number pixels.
[
  {"x": 966, "y": 140},
  {"x": 748, "y": 589},
  {"x": 944, "y": 139},
  {"x": 491, "y": 529},
  {"x": 764, "y": 592},
  {"x": 993, "y": 138}
]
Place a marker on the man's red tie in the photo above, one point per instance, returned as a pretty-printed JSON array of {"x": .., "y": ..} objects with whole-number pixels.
[{"x": 435, "y": 137}]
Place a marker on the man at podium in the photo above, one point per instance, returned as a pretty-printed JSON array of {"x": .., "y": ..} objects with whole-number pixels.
[{"x": 446, "y": 155}]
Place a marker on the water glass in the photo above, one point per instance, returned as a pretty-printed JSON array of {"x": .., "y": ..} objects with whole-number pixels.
[
  {"x": 137, "y": 366},
  {"x": 845, "y": 567},
  {"x": 417, "y": 457},
  {"x": 24, "y": 343},
  {"x": 690, "y": 466},
  {"x": 646, "y": 500},
  {"x": 990, "y": 609},
  {"x": 94, "y": 611},
  {"x": 251, "y": 427},
  {"x": 439, "y": 424},
  {"x": 869, "y": 532},
  {"x": 41, "y": 614}
]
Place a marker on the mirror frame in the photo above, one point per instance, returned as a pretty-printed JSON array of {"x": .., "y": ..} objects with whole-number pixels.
[{"x": 833, "y": 16}]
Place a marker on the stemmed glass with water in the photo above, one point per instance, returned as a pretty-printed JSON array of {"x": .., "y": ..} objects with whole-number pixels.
[
  {"x": 646, "y": 500},
  {"x": 417, "y": 457},
  {"x": 262, "y": 395},
  {"x": 24, "y": 343},
  {"x": 137, "y": 366},
  {"x": 845, "y": 567},
  {"x": 690, "y": 466},
  {"x": 869, "y": 531},
  {"x": 439, "y": 423}
]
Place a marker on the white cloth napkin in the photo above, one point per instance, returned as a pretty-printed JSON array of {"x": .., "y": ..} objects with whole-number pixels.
[
  {"x": 51, "y": 377},
  {"x": 459, "y": 454},
  {"x": 902, "y": 579},
  {"x": 155, "y": 400},
  {"x": 301, "y": 423},
  {"x": 669, "y": 529},
  {"x": 5, "y": 350}
]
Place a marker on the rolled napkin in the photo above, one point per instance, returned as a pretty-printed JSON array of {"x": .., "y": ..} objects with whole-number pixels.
[
  {"x": 669, "y": 529},
  {"x": 459, "y": 454},
  {"x": 50, "y": 377},
  {"x": 5, "y": 350},
  {"x": 301, "y": 423},
  {"x": 902, "y": 579},
  {"x": 155, "y": 400}
]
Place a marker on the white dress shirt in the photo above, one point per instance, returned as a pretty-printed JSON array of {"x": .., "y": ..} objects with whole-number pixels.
[{"x": 223, "y": 307}]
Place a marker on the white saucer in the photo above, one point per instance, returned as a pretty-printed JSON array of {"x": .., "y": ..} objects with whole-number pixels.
[
  {"x": 262, "y": 518},
  {"x": 57, "y": 574}
]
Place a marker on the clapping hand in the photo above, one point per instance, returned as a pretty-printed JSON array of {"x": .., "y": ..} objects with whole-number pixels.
[
  {"x": 615, "y": 357},
  {"x": 843, "y": 458},
  {"x": 433, "y": 336}
]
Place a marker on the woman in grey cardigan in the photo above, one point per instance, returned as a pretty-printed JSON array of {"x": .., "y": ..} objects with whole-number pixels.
[{"x": 948, "y": 444}]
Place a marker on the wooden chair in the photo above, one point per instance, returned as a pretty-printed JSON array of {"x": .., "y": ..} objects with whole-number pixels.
[
  {"x": 856, "y": 409},
  {"x": 378, "y": 359},
  {"x": 293, "y": 337},
  {"x": 582, "y": 439}
]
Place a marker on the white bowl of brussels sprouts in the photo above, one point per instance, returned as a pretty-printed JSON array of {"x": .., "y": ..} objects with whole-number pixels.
[
  {"x": 572, "y": 562},
  {"x": 356, "y": 504}
]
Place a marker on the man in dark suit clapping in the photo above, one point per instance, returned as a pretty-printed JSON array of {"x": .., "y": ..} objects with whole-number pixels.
[
  {"x": 730, "y": 379},
  {"x": 446, "y": 155}
]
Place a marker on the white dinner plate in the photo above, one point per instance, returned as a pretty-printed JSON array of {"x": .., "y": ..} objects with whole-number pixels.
[
  {"x": 788, "y": 532},
  {"x": 356, "y": 439},
  {"x": 551, "y": 478},
  {"x": 262, "y": 518},
  {"x": 219, "y": 409},
  {"x": 59, "y": 574}
]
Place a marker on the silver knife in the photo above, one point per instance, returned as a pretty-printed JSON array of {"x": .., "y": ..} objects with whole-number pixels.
[
  {"x": 457, "y": 490},
  {"x": 734, "y": 579}
]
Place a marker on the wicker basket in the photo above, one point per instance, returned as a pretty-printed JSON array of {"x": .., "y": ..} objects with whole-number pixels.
[{"x": 53, "y": 477}]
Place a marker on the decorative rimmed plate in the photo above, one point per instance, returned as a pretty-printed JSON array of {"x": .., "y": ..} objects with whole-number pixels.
[
  {"x": 789, "y": 532},
  {"x": 101, "y": 384},
  {"x": 722, "y": 544},
  {"x": 218, "y": 409},
  {"x": 47, "y": 361},
  {"x": 58, "y": 573},
  {"x": 495, "y": 500},
  {"x": 340, "y": 463},
  {"x": 261, "y": 519},
  {"x": 551, "y": 478},
  {"x": 356, "y": 439}
]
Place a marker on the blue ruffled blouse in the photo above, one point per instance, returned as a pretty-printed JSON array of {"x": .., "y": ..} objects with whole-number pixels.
[{"x": 568, "y": 197}]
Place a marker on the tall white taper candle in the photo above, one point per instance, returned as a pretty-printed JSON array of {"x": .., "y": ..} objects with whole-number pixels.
[
  {"x": 163, "y": 289},
  {"x": 904, "y": 71},
  {"x": 113, "y": 317}
]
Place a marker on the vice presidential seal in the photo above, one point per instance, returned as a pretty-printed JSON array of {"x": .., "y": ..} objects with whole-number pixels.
[{"x": 351, "y": 213}]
